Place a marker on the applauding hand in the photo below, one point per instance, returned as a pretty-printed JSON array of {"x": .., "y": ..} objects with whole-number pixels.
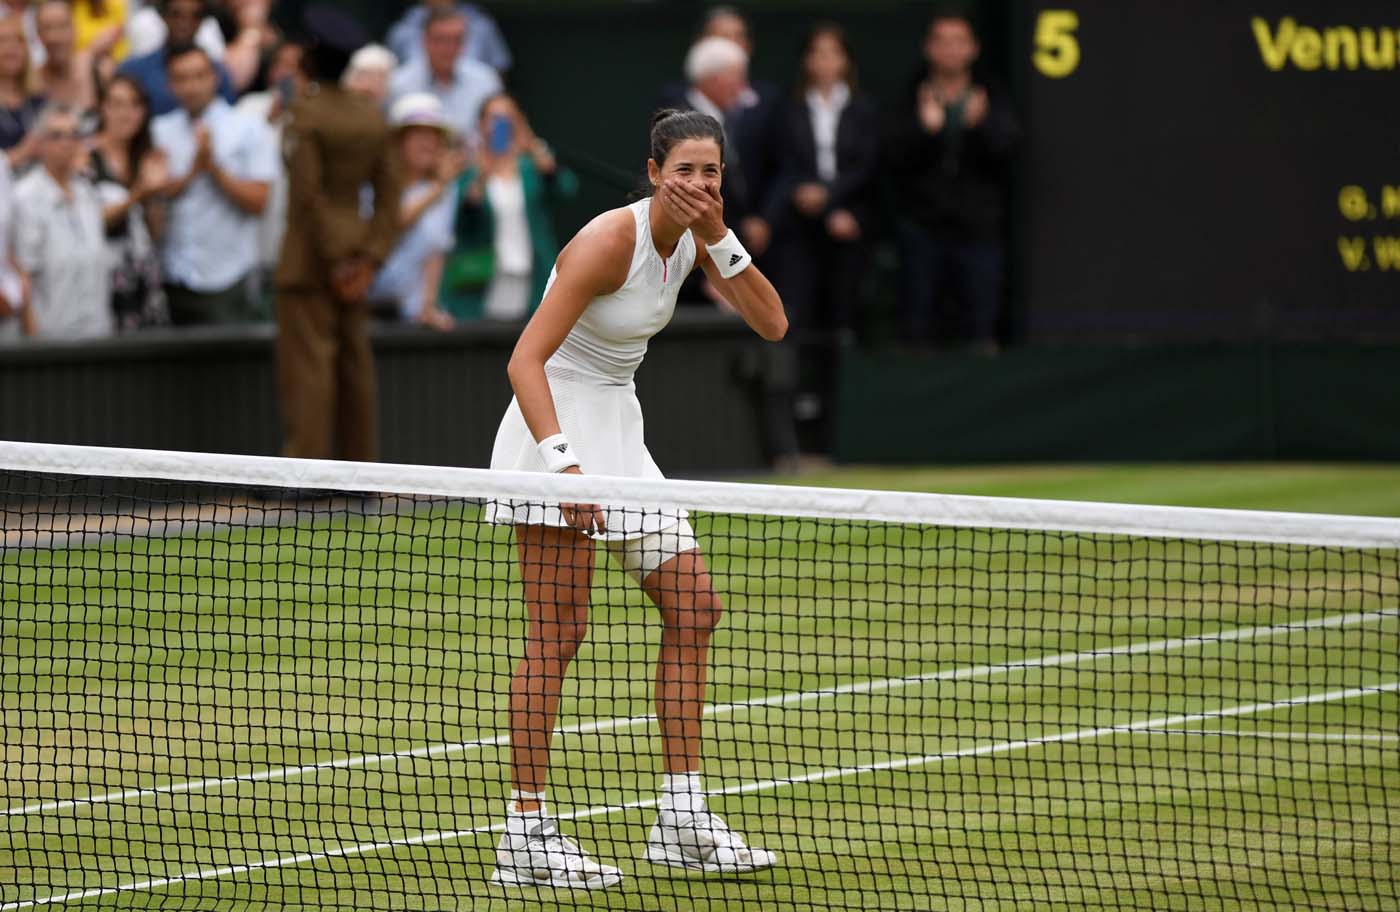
[{"x": 932, "y": 113}]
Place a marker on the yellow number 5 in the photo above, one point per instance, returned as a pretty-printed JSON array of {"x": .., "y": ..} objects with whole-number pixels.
[{"x": 1056, "y": 47}]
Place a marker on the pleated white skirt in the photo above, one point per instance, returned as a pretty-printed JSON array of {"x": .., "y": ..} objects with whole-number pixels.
[{"x": 603, "y": 422}]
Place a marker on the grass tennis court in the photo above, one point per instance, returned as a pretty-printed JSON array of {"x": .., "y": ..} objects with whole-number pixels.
[
  {"x": 953, "y": 744},
  {"x": 1363, "y": 490}
]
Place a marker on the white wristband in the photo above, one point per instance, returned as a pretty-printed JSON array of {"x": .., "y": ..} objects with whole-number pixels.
[
  {"x": 556, "y": 453},
  {"x": 729, "y": 255}
]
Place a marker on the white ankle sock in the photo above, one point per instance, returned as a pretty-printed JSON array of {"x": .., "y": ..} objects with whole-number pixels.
[
  {"x": 512, "y": 813},
  {"x": 682, "y": 792}
]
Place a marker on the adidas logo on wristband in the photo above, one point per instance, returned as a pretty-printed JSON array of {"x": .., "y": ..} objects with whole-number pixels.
[
  {"x": 735, "y": 260},
  {"x": 556, "y": 454}
]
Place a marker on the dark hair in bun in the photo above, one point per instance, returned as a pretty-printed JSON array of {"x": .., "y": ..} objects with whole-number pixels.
[{"x": 670, "y": 127}]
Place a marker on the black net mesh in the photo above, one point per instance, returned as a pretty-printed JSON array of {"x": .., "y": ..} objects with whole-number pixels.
[{"x": 218, "y": 697}]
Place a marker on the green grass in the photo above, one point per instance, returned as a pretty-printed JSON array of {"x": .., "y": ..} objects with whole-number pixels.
[{"x": 133, "y": 663}]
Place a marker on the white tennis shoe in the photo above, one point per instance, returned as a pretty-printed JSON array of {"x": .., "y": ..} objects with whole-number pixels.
[
  {"x": 703, "y": 842},
  {"x": 541, "y": 857}
]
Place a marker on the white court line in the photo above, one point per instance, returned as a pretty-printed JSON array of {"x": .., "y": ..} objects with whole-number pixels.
[
  {"x": 1342, "y": 737},
  {"x": 1064, "y": 659},
  {"x": 899, "y": 764}
]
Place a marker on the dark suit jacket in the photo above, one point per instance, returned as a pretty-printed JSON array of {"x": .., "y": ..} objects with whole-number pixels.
[
  {"x": 954, "y": 183},
  {"x": 336, "y": 144},
  {"x": 857, "y": 161}
]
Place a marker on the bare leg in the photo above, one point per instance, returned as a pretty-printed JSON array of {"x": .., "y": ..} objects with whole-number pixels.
[
  {"x": 686, "y": 835},
  {"x": 556, "y": 566},
  {"x": 682, "y": 591}
]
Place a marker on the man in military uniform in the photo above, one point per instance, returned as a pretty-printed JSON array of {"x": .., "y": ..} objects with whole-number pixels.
[{"x": 336, "y": 143}]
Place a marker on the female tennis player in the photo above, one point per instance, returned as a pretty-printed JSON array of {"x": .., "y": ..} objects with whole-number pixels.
[{"x": 575, "y": 410}]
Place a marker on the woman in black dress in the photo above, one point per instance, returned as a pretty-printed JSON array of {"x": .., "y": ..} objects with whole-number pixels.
[
  {"x": 129, "y": 172},
  {"x": 822, "y": 212},
  {"x": 19, "y": 107}
]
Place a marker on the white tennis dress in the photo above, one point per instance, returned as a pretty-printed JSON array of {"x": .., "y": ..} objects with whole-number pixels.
[{"x": 595, "y": 396}]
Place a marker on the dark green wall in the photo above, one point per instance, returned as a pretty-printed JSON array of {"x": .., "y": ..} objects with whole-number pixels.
[
  {"x": 1247, "y": 402},
  {"x": 441, "y": 396}
]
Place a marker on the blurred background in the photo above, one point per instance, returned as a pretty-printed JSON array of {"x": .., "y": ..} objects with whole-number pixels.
[{"x": 1006, "y": 232}]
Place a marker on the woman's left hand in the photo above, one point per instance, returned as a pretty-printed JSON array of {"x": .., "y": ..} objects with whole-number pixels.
[{"x": 701, "y": 209}]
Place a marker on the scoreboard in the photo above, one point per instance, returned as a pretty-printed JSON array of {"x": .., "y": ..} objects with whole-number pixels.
[{"x": 1211, "y": 170}]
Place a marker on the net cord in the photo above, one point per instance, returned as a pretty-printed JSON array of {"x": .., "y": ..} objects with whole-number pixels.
[{"x": 954, "y": 511}]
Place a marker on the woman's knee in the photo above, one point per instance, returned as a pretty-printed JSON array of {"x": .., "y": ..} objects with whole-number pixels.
[
  {"x": 696, "y": 615},
  {"x": 560, "y": 636}
]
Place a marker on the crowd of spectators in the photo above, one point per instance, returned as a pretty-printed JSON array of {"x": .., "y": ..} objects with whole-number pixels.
[
  {"x": 814, "y": 176},
  {"x": 143, "y": 180}
]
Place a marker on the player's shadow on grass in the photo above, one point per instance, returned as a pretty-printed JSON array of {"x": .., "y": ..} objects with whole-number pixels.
[{"x": 647, "y": 887}]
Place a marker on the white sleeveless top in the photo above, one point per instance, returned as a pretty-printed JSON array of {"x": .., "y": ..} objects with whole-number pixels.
[
  {"x": 591, "y": 380},
  {"x": 610, "y": 339}
]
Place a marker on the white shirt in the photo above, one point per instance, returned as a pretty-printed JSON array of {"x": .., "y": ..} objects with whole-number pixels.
[
  {"x": 273, "y": 224},
  {"x": 60, "y": 241},
  {"x": 512, "y": 242},
  {"x": 9, "y": 281},
  {"x": 211, "y": 244},
  {"x": 473, "y": 82},
  {"x": 701, "y": 102},
  {"x": 401, "y": 277},
  {"x": 826, "y": 119}
]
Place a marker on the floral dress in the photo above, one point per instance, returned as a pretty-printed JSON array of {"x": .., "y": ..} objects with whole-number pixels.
[{"x": 138, "y": 300}]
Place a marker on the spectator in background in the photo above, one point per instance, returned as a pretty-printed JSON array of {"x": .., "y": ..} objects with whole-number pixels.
[
  {"x": 822, "y": 210},
  {"x": 227, "y": 163},
  {"x": 19, "y": 107},
  {"x": 484, "y": 43},
  {"x": 338, "y": 143},
  {"x": 505, "y": 243},
  {"x": 286, "y": 81},
  {"x": 369, "y": 72},
  {"x": 59, "y": 244},
  {"x": 950, "y": 156},
  {"x": 67, "y": 76},
  {"x": 11, "y": 290},
  {"x": 828, "y": 146},
  {"x": 149, "y": 30},
  {"x": 130, "y": 174},
  {"x": 250, "y": 38},
  {"x": 751, "y": 124},
  {"x": 22, "y": 11},
  {"x": 429, "y": 168},
  {"x": 181, "y": 21},
  {"x": 461, "y": 84},
  {"x": 717, "y": 70}
]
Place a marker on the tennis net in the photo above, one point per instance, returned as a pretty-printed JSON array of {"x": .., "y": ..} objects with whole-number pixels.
[{"x": 236, "y": 682}]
